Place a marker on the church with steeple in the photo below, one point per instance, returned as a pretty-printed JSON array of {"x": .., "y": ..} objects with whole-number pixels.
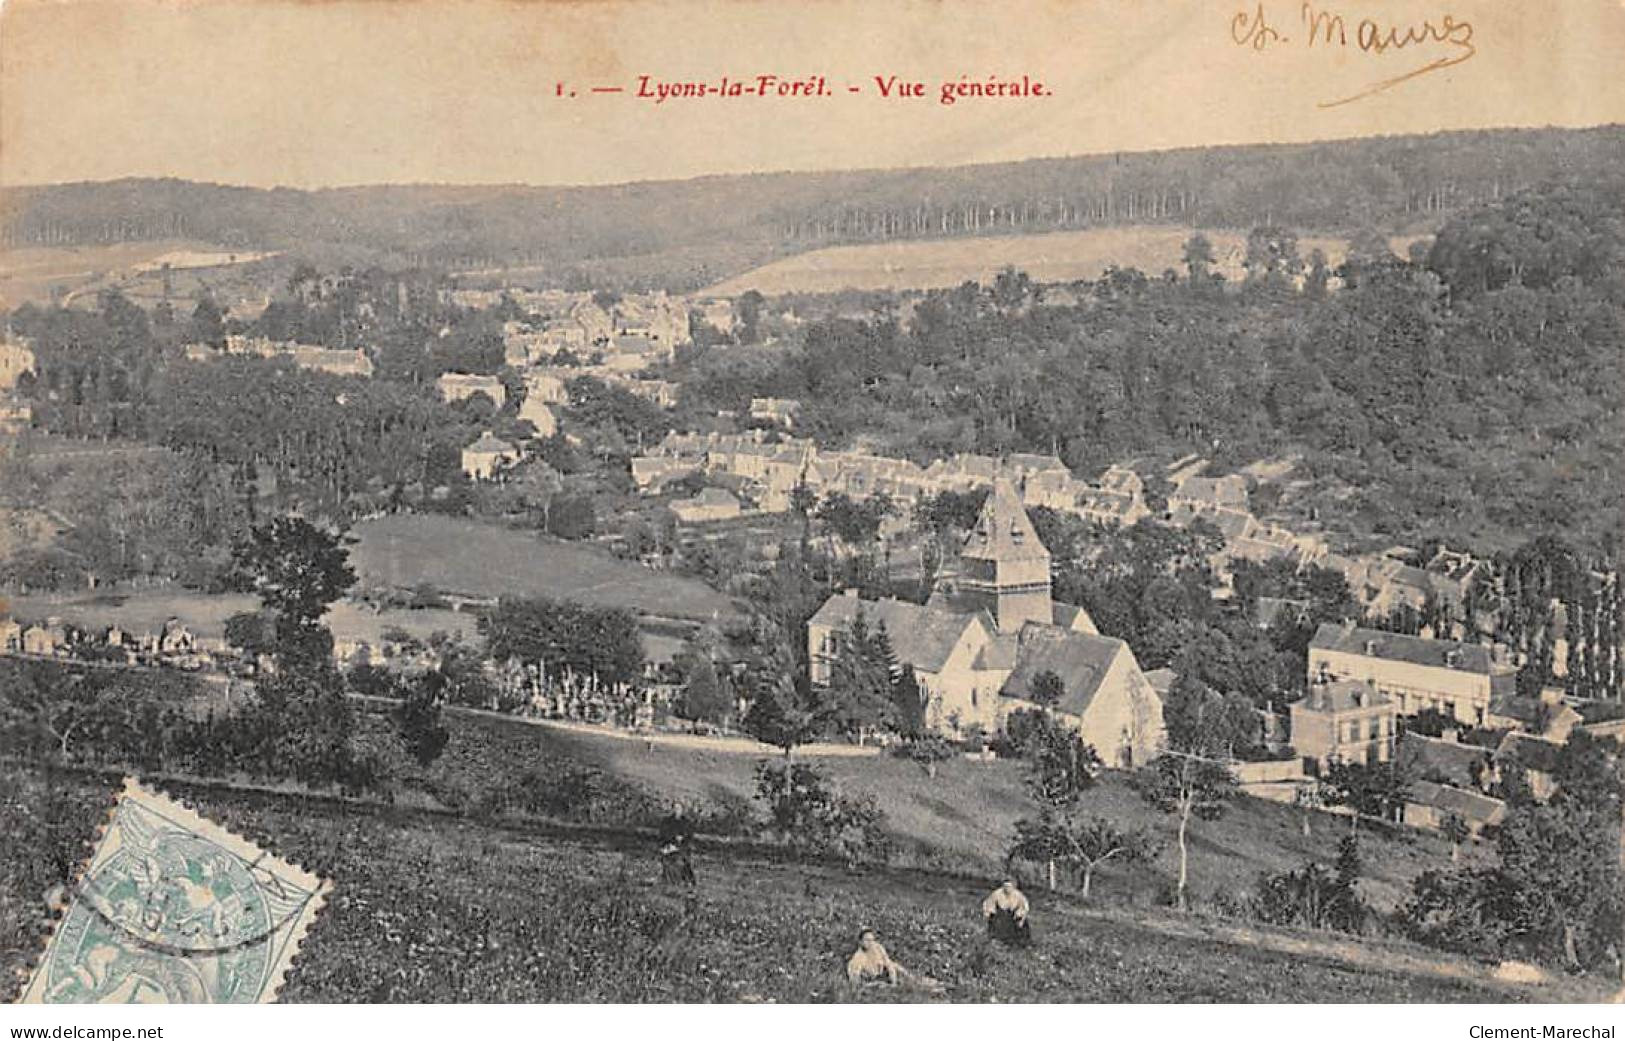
[
  {"x": 1004, "y": 571},
  {"x": 990, "y": 628}
]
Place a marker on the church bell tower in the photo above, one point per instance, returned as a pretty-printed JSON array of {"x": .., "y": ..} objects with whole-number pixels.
[{"x": 1004, "y": 568}]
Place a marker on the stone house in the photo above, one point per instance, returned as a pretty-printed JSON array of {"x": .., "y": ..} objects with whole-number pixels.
[
  {"x": 1342, "y": 721},
  {"x": 460, "y": 386},
  {"x": 1431, "y": 804},
  {"x": 711, "y": 504},
  {"x": 488, "y": 455}
]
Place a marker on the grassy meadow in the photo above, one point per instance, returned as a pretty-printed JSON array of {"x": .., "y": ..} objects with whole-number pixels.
[
  {"x": 461, "y": 556},
  {"x": 430, "y": 909}
]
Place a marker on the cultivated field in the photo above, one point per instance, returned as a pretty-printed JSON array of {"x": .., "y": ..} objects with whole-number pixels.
[
  {"x": 483, "y": 560},
  {"x": 34, "y": 273},
  {"x": 1062, "y": 256},
  {"x": 426, "y": 908}
]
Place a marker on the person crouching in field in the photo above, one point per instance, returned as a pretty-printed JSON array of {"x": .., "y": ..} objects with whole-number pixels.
[
  {"x": 871, "y": 964},
  {"x": 1005, "y": 910},
  {"x": 676, "y": 834}
]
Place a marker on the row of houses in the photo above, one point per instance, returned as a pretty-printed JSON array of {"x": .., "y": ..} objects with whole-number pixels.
[
  {"x": 172, "y": 644},
  {"x": 632, "y": 333},
  {"x": 1222, "y": 502},
  {"x": 1381, "y": 582},
  {"x": 773, "y": 466},
  {"x": 307, "y": 356}
]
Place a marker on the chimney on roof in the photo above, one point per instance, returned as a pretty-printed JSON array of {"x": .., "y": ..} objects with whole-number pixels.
[
  {"x": 1452, "y": 658},
  {"x": 1370, "y": 647}
]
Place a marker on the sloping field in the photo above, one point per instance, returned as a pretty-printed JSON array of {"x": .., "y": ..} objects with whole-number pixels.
[
  {"x": 1063, "y": 256},
  {"x": 963, "y": 819},
  {"x": 482, "y": 560},
  {"x": 427, "y": 908},
  {"x": 32, "y": 273}
]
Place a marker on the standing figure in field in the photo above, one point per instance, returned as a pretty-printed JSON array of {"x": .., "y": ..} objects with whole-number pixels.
[
  {"x": 1005, "y": 910},
  {"x": 676, "y": 834}
]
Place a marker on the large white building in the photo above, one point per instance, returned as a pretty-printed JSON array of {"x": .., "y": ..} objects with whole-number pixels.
[{"x": 1458, "y": 679}]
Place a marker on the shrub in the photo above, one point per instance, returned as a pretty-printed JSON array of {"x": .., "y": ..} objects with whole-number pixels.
[
  {"x": 809, "y": 815},
  {"x": 927, "y": 751},
  {"x": 1454, "y": 911},
  {"x": 1315, "y": 896},
  {"x": 418, "y": 719}
]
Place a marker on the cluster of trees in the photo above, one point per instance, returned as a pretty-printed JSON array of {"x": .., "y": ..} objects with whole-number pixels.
[
  {"x": 1151, "y": 585},
  {"x": 867, "y": 692},
  {"x": 240, "y": 437},
  {"x": 1546, "y": 590},
  {"x": 1555, "y": 893},
  {"x": 1316, "y": 897},
  {"x": 300, "y": 722},
  {"x": 563, "y": 638},
  {"x": 622, "y": 423},
  {"x": 809, "y": 813},
  {"x": 1530, "y": 598},
  {"x": 1061, "y": 768},
  {"x": 152, "y": 513},
  {"x": 1190, "y": 781},
  {"x": 298, "y": 725}
]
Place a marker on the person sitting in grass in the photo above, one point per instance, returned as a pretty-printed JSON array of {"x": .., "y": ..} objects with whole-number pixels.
[
  {"x": 676, "y": 832},
  {"x": 1005, "y": 910},
  {"x": 871, "y": 964}
]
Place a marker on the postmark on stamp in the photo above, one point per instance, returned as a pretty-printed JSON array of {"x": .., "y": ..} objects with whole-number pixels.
[{"x": 174, "y": 908}]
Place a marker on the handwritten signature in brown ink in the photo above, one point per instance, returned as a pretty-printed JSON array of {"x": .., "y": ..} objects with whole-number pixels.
[{"x": 1326, "y": 29}]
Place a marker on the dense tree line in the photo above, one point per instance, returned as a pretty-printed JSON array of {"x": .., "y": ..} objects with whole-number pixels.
[{"x": 701, "y": 230}]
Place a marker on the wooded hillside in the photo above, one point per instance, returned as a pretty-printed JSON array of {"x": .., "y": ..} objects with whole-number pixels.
[{"x": 690, "y": 233}]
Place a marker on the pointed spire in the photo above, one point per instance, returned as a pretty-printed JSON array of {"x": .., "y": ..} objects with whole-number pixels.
[{"x": 1003, "y": 531}]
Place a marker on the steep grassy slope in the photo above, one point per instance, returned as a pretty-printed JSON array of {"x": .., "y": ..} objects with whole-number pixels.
[{"x": 432, "y": 909}]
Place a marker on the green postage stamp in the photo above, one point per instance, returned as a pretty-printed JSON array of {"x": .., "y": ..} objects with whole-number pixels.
[{"x": 175, "y": 908}]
